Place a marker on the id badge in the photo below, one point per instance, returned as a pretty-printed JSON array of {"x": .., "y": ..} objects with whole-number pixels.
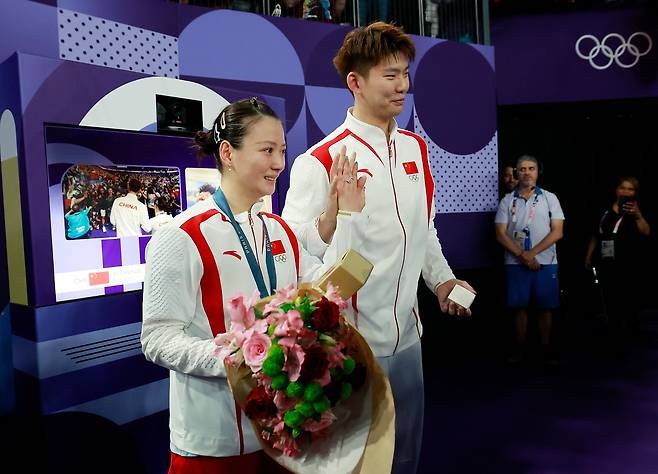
[
  {"x": 519, "y": 238},
  {"x": 607, "y": 249}
]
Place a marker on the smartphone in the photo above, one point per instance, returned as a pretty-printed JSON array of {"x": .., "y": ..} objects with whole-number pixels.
[{"x": 624, "y": 200}]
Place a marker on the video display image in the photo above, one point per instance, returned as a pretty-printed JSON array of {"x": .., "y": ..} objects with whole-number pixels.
[
  {"x": 109, "y": 192},
  {"x": 106, "y": 201},
  {"x": 201, "y": 184}
]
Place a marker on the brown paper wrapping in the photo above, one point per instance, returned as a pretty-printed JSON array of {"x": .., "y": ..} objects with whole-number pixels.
[{"x": 376, "y": 454}]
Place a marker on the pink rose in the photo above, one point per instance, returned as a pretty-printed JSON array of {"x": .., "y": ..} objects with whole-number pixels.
[{"x": 255, "y": 350}]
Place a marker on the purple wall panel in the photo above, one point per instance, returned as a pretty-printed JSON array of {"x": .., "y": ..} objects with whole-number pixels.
[
  {"x": 95, "y": 40},
  {"x": 264, "y": 51},
  {"x": 27, "y": 27},
  {"x": 154, "y": 15},
  {"x": 537, "y": 62}
]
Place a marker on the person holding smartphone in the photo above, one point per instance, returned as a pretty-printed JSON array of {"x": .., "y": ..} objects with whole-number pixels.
[{"x": 615, "y": 250}]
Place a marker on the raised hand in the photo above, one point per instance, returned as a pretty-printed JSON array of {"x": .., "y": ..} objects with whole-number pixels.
[{"x": 350, "y": 189}]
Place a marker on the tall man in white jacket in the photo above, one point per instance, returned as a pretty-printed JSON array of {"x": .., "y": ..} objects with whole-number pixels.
[
  {"x": 397, "y": 225},
  {"x": 128, "y": 214}
]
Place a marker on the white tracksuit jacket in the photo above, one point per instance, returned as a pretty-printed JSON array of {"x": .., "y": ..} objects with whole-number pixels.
[
  {"x": 396, "y": 231},
  {"x": 194, "y": 266}
]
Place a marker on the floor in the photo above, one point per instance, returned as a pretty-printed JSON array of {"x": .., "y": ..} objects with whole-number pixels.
[{"x": 597, "y": 412}]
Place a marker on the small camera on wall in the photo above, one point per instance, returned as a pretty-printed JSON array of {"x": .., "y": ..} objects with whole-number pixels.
[{"x": 178, "y": 116}]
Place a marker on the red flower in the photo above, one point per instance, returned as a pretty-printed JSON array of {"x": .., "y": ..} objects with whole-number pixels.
[
  {"x": 315, "y": 364},
  {"x": 259, "y": 404},
  {"x": 326, "y": 315}
]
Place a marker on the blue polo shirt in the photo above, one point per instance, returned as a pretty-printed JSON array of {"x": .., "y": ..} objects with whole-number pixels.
[{"x": 536, "y": 214}]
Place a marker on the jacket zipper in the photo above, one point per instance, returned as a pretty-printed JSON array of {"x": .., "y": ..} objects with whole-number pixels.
[{"x": 404, "y": 250}]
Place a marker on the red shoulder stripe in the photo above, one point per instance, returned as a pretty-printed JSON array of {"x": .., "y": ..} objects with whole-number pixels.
[
  {"x": 211, "y": 286},
  {"x": 429, "y": 182},
  {"x": 322, "y": 151}
]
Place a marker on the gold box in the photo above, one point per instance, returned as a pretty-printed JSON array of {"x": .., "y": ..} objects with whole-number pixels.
[{"x": 350, "y": 273}]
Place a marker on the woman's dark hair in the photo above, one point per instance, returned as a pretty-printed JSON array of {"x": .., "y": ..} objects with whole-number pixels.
[
  {"x": 232, "y": 124},
  {"x": 162, "y": 203}
]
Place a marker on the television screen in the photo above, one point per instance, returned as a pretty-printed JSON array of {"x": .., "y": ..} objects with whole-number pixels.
[
  {"x": 109, "y": 190},
  {"x": 176, "y": 115}
]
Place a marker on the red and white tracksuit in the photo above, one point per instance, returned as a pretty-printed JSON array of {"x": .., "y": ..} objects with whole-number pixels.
[
  {"x": 396, "y": 232},
  {"x": 194, "y": 266}
]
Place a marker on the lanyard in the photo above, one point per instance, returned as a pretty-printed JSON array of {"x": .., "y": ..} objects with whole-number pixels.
[
  {"x": 220, "y": 200},
  {"x": 531, "y": 213},
  {"x": 615, "y": 229}
]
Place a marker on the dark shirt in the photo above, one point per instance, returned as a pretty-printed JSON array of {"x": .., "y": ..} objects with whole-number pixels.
[{"x": 629, "y": 243}]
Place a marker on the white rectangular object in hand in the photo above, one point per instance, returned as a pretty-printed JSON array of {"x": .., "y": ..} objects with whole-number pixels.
[{"x": 461, "y": 296}]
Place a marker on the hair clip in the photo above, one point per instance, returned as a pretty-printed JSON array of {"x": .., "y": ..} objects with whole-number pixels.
[
  {"x": 216, "y": 135},
  {"x": 222, "y": 120},
  {"x": 254, "y": 102}
]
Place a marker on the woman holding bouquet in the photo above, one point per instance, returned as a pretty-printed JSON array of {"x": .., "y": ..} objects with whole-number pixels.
[{"x": 212, "y": 251}]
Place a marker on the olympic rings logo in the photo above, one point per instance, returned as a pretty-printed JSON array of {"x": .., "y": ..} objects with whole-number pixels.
[{"x": 600, "y": 47}]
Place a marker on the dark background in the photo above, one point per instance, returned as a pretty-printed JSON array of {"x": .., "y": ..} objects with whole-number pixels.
[{"x": 584, "y": 148}]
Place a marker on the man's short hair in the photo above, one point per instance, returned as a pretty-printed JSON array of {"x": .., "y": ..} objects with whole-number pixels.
[
  {"x": 527, "y": 158},
  {"x": 365, "y": 47},
  {"x": 134, "y": 185}
]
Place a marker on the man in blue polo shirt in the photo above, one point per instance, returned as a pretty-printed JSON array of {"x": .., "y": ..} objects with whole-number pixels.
[{"x": 528, "y": 223}]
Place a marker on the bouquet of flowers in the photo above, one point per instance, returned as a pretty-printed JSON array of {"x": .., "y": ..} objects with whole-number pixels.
[{"x": 307, "y": 380}]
